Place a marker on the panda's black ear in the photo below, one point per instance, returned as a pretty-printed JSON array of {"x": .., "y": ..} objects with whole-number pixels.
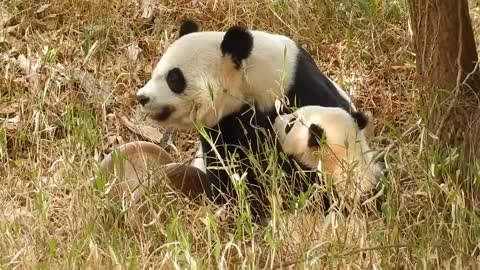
[
  {"x": 315, "y": 134},
  {"x": 188, "y": 26},
  {"x": 360, "y": 118},
  {"x": 238, "y": 43}
]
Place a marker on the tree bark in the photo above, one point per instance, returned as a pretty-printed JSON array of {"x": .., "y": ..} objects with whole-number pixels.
[
  {"x": 444, "y": 41},
  {"x": 447, "y": 73}
]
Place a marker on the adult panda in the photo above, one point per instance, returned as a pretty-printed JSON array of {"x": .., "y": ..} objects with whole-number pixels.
[
  {"x": 331, "y": 140},
  {"x": 228, "y": 82}
]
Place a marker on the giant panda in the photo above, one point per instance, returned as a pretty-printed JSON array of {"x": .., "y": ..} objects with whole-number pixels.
[
  {"x": 331, "y": 140},
  {"x": 227, "y": 83}
]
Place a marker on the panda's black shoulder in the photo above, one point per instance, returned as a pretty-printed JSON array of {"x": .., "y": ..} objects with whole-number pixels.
[{"x": 310, "y": 86}]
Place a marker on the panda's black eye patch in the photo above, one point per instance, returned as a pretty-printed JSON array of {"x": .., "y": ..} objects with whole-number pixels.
[
  {"x": 289, "y": 125},
  {"x": 176, "y": 81},
  {"x": 316, "y": 135}
]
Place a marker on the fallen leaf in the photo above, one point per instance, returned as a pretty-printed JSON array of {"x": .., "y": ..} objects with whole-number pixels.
[
  {"x": 148, "y": 9},
  {"x": 93, "y": 87},
  {"x": 149, "y": 133},
  {"x": 11, "y": 123},
  {"x": 133, "y": 51},
  {"x": 167, "y": 140},
  {"x": 29, "y": 67},
  {"x": 14, "y": 120},
  {"x": 12, "y": 213},
  {"x": 12, "y": 29},
  {"x": 9, "y": 110},
  {"x": 42, "y": 8},
  {"x": 5, "y": 17}
]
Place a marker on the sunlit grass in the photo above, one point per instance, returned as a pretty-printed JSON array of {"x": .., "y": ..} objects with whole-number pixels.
[{"x": 56, "y": 210}]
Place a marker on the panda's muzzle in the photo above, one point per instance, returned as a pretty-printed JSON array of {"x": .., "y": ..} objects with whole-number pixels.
[{"x": 163, "y": 113}]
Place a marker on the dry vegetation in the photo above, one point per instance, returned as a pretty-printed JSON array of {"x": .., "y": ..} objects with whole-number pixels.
[{"x": 69, "y": 72}]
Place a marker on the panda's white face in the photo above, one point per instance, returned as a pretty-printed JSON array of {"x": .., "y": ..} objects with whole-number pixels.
[
  {"x": 192, "y": 82},
  {"x": 295, "y": 132}
]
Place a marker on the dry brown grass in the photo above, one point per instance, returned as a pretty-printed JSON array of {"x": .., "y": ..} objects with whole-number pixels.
[{"x": 54, "y": 128}]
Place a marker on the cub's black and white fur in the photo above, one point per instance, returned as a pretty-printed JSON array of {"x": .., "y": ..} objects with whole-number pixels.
[
  {"x": 228, "y": 82},
  {"x": 332, "y": 140}
]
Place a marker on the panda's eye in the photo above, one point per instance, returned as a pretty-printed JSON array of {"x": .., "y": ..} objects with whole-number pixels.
[
  {"x": 289, "y": 125},
  {"x": 176, "y": 81},
  {"x": 317, "y": 136}
]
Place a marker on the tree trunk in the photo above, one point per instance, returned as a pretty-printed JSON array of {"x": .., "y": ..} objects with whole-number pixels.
[{"x": 448, "y": 75}]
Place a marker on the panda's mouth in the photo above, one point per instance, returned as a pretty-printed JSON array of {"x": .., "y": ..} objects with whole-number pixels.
[{"x": 163, "y": 114}]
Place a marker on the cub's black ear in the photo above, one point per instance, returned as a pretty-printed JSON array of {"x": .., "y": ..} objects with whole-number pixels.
[
  {"x": 316, "y": 134},
  {"x": 360, "y": 118},
  {"x": 188, "y": 26},
  {"x": 238, "y": 43}
]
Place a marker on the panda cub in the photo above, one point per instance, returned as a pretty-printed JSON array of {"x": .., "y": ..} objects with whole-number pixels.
[{"x": 332, "y": 140}]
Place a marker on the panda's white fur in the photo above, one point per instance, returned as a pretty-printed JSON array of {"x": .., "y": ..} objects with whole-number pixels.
[
  {"x": 344, "y": 154},
  {"x": 198, "y": 56}
]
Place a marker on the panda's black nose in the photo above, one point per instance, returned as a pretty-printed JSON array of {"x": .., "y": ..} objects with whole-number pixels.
[{"x": 143, "y": 99}]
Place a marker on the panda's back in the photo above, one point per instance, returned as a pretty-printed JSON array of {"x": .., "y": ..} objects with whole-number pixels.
[{"x": 279, "y": 66}]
